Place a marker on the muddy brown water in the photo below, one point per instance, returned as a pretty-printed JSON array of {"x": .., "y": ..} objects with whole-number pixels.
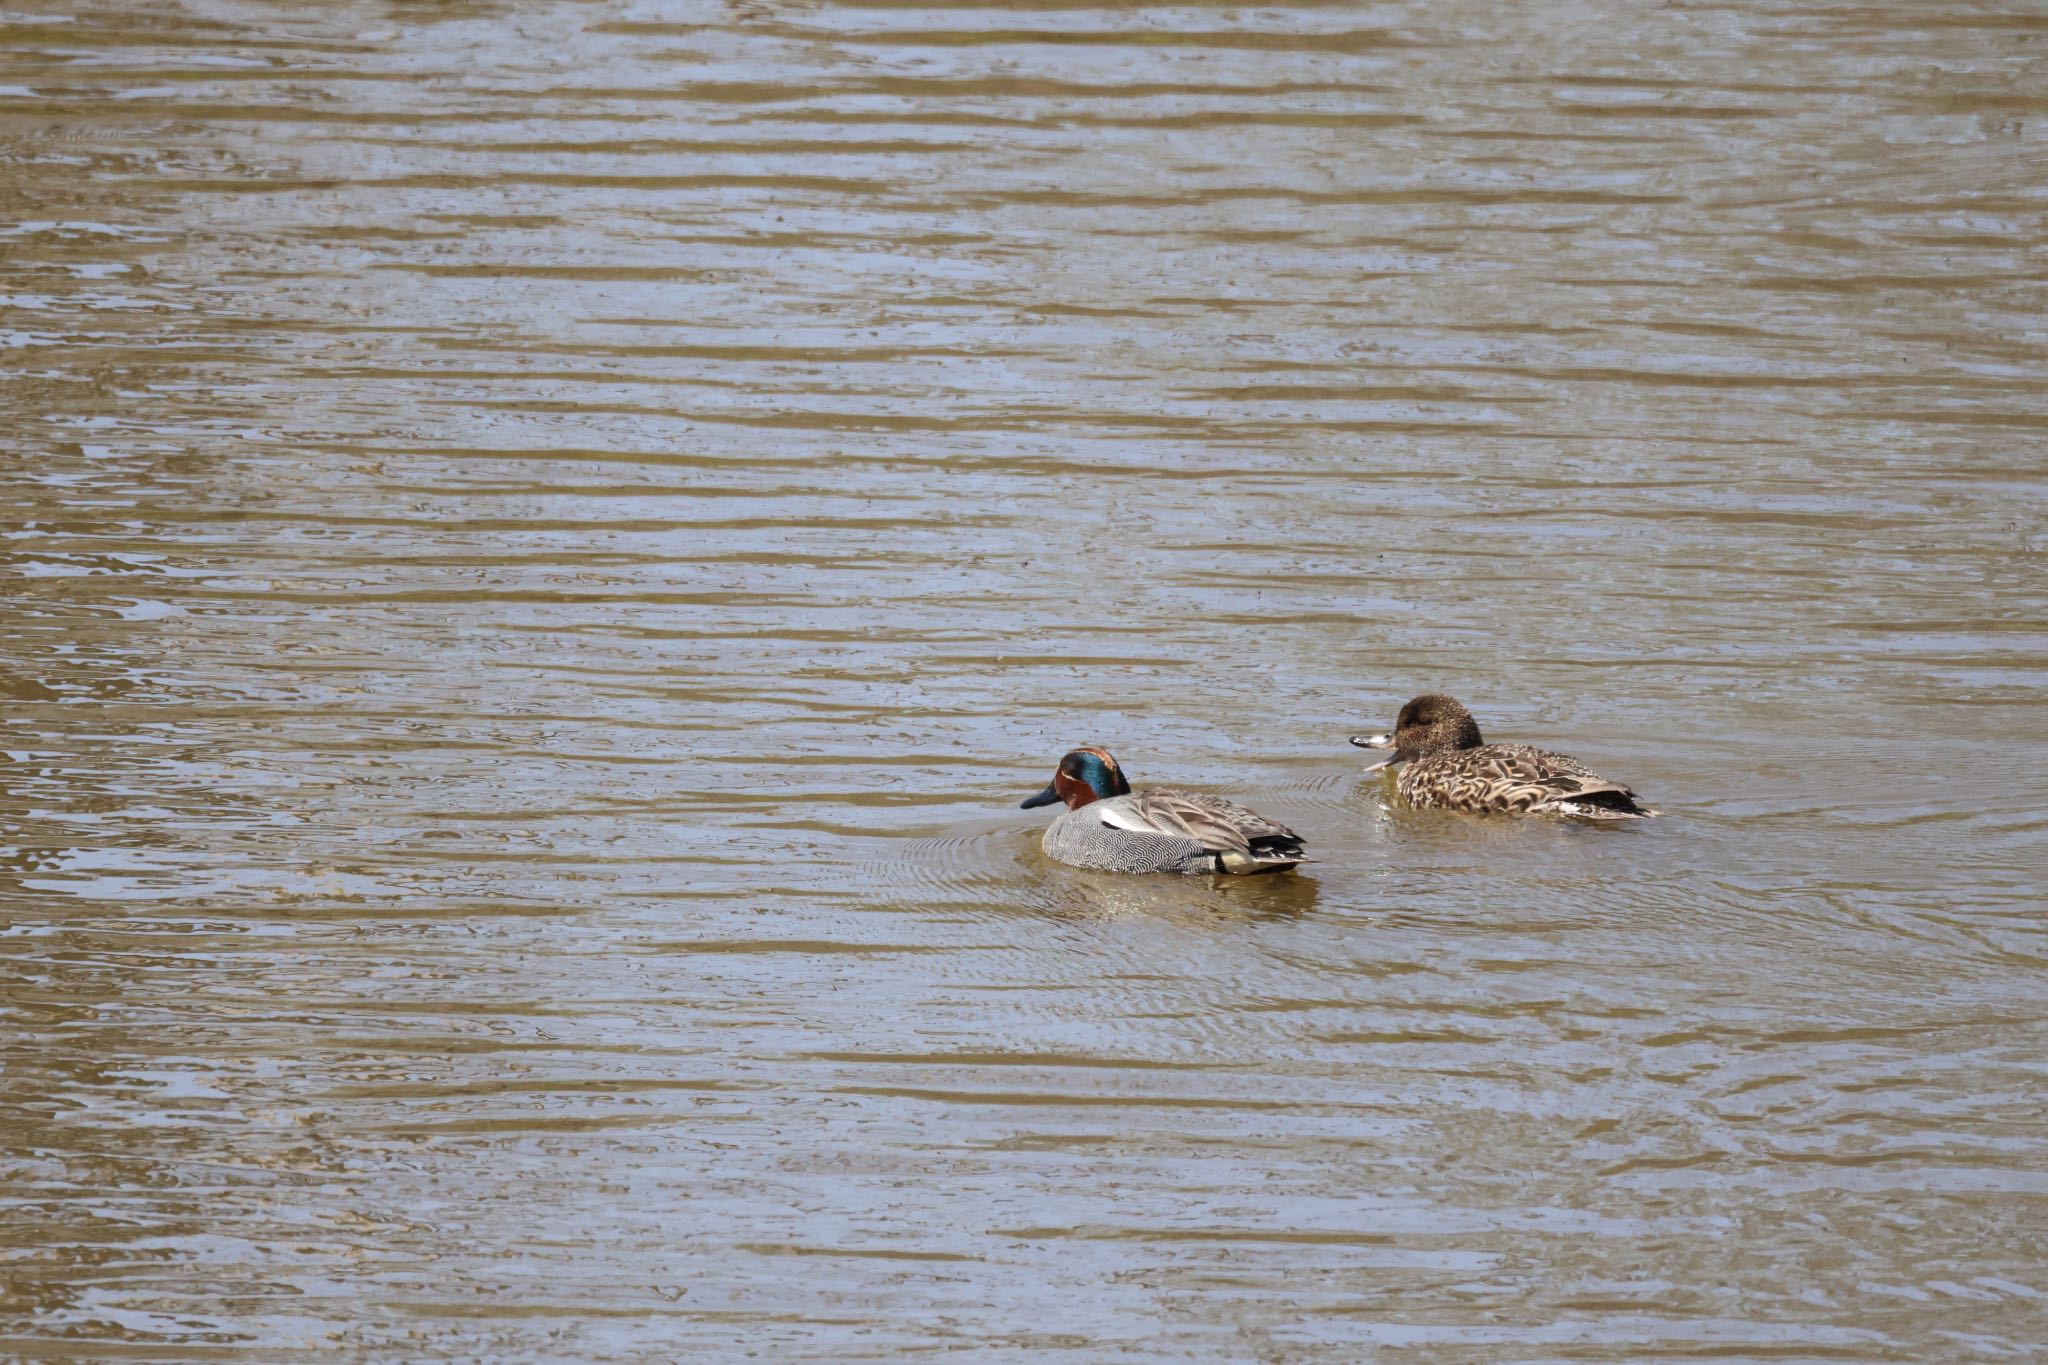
[{"x": 544, "y": 542}]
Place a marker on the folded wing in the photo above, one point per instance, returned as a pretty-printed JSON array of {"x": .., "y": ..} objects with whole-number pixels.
[
  {"x": 1516, "y": 777},
  {"x": 1240, "y": 838}
]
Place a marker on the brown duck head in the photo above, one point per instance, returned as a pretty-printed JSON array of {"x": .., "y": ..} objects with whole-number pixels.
[{"x": 1430, "y": 724}]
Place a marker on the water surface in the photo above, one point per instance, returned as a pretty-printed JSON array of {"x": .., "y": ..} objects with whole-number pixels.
[{"x": 545, "y": 541}]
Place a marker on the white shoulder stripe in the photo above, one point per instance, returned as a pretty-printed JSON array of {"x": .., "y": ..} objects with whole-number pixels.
[{"x": 1122, "y": 817}]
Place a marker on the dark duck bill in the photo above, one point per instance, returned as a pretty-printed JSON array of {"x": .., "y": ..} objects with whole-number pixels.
[{"x": 1044, "y": 798}]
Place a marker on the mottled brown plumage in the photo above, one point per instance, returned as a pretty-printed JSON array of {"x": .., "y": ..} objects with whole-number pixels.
[{"x": 1450, "y": 766}]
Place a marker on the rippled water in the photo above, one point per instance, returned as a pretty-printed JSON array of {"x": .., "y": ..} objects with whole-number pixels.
[{"x": 545, "y": 541}]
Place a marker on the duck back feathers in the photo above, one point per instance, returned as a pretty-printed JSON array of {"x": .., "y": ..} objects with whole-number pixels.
[
  {"x": 1164, "y": 830},
  {"x": 1515, "y": 779}
]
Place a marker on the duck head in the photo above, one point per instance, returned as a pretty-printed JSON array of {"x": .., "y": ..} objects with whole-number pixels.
[
  {"x": 1084, "y": 775},
  {"x": 1429, "y": 724}
]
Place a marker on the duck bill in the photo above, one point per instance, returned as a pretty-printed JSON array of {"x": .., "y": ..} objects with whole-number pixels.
[
  {"x": 1045, "y": 798},
  {"x": 1386, "y": 742}
]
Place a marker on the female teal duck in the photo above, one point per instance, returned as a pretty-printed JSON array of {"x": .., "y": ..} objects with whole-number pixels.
[
  {"x": 1450, "y": 766},
  {"x": 1109, "y": 827}
]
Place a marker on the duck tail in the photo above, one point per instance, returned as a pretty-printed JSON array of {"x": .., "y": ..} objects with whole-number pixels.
[
  {"x": 1615, "y": 804},
  {"x": 1265, "y": 855}
]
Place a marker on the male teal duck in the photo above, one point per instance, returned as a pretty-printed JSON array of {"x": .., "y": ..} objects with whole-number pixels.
[
  {"x": 1109, "y": 827},
  {"x": 1450, "y": 766}
]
